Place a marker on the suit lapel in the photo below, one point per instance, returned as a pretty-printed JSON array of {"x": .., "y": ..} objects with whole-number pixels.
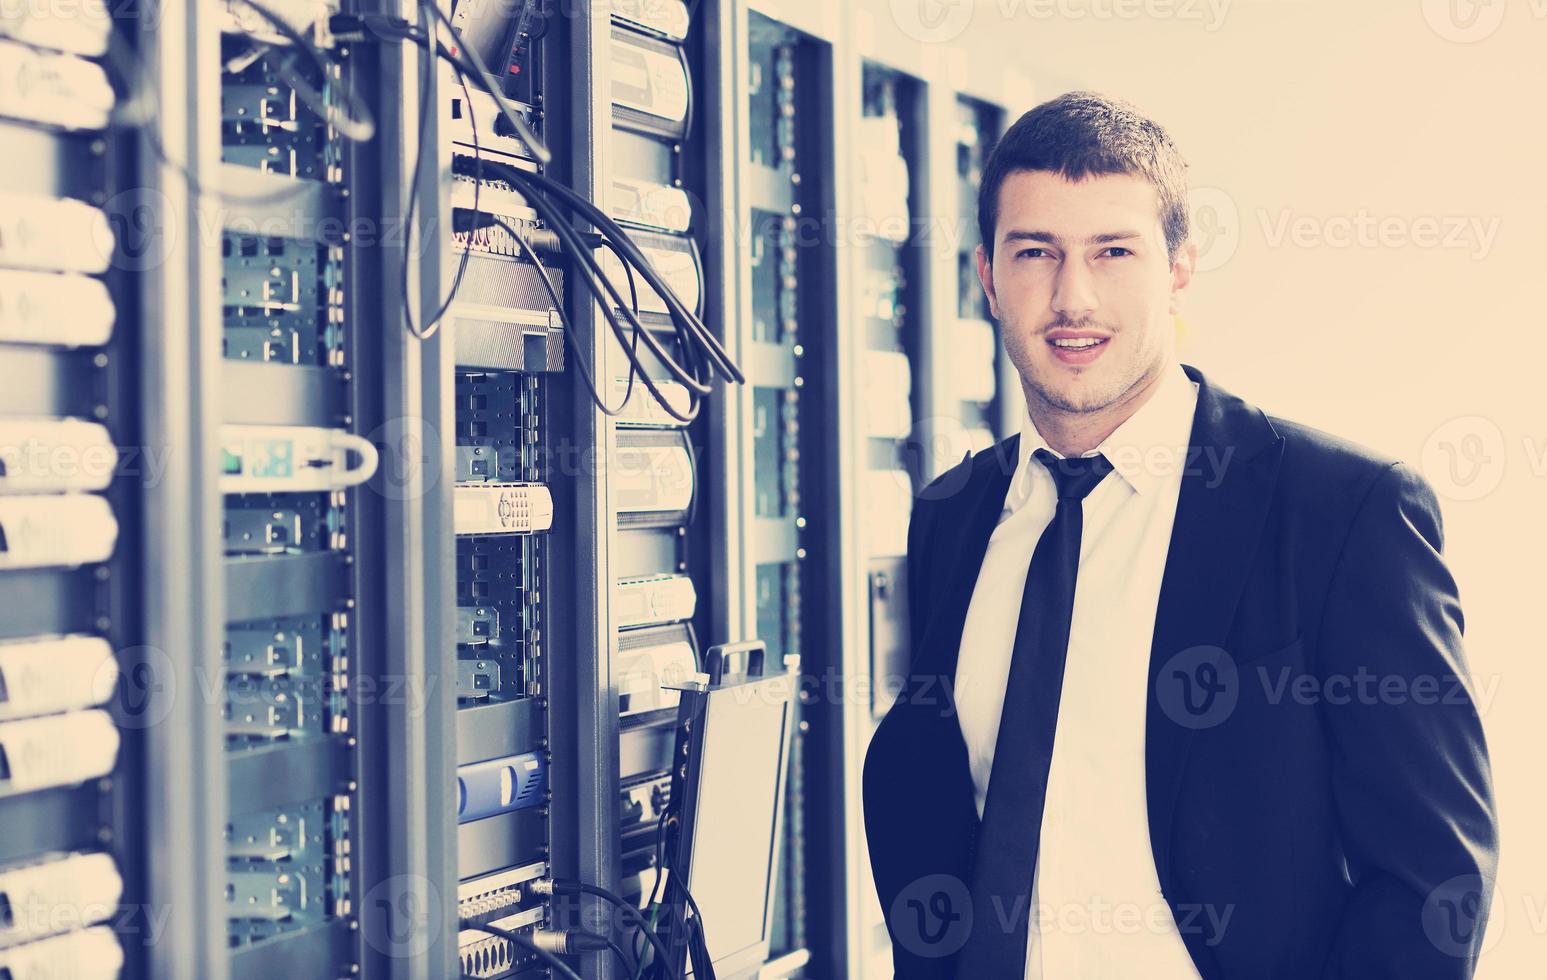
[
  {"x": 964, "y": 523},
  {"x": 1226, "y": 492}
]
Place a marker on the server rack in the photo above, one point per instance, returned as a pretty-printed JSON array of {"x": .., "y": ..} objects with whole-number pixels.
[
  {"x": 659, "y": 470},
  {"x": 788, "y": 302},
  {"x": 979, "y": 391},
  {"x": 301, "y": 201},
  {"x": 775, "y": 549},
  {"x": 77, "y": 679},
  {"x": 501, "y": 648}
]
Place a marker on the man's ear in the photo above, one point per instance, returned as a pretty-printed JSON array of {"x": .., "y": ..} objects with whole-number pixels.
[
  {"x": 1181, "y": 272},
  {"x": 986, "y": 277}
]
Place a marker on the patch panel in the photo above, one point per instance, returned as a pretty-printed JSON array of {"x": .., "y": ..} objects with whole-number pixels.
[
  {"x": 500, "y": 895},
  {"x": 53, "y": 234},
  {"x": 88, "y": 954},
  {"x": 56, "y": 893},
  {"x": 46, "y": 455},
  {"x": 494, "y": 196},
  {"x": 484, "y": 955},
  {"x": 499, "y": 240},
  {"x": 56, "y": 750},
  {"x": 60, "y": 531},
  {"x": 54, "y": 89},
  {"x": 82, "y": 30},
  {"x": 46, "y": 675},
  {"x": 504, "y": 900},
  {"x": 56, "y": 309}
]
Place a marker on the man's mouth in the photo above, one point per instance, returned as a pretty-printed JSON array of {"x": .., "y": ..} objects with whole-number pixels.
[
  {"x": 1077, "y": 343},
  {"x": 1077, "y": 347}
]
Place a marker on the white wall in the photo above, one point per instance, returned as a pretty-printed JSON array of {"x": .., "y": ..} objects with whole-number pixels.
[{"x": 1320, "y": 110}]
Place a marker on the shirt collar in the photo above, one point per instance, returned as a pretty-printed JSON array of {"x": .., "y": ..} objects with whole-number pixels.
[{"x": 1149, "y": 447}]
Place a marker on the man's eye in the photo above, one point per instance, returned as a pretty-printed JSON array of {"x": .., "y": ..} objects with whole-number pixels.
[
  {"x": 1031, "y": 253},
  {"x": 1115, "y": 251}
]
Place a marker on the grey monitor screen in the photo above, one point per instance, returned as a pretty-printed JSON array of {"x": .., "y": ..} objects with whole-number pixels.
[{"x": 731, "y": 869}]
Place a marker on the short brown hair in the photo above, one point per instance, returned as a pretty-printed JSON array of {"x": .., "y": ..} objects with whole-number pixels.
[{"x": 1081, "y": 134}]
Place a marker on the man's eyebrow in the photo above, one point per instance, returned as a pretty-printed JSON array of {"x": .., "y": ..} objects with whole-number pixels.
[
  {"x": 1034, "y": 235},
  {"x": 1022, "y": 235}
]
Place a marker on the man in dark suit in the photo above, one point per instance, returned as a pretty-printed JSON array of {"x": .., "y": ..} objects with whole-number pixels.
[{"x": 1187, "y": 696}]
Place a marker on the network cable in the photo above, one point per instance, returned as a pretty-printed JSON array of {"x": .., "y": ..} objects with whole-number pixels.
[{"x": 706, "y": 358}]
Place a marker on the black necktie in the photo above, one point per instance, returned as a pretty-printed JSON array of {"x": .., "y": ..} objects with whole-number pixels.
[{"x": 1017, "y": 786}]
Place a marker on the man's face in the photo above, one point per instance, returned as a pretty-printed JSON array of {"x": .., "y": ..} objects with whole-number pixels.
[{"x": 1082, "y": 286}]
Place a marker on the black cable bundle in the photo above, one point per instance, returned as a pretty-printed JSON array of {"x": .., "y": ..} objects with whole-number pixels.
[{"x": 703, "y": 357}]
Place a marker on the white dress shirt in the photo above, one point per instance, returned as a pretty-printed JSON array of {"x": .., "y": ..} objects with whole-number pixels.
[{"x": 1096, "y": 909}]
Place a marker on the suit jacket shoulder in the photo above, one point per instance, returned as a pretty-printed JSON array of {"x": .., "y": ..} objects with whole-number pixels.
[
  {"x": 1325, "y": 482},
  {"x": 1324, "y": 469}
]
